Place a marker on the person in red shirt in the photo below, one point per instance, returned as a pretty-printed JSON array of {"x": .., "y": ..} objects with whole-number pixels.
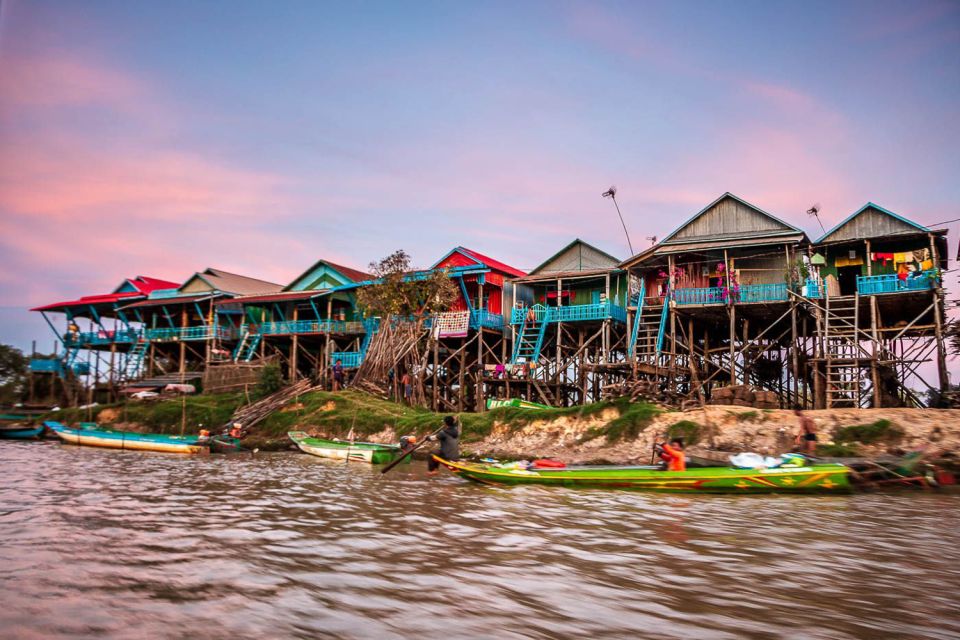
[{"x": 673, "y": 455}]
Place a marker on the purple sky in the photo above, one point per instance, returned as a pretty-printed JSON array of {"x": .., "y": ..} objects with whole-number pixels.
[{"x": 160, "y": 138}]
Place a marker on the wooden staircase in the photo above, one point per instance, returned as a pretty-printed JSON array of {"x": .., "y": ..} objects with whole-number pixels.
[{"x": 842, "y": 352}]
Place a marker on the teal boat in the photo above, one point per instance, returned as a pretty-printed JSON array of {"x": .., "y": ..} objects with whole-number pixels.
[
  {"x": 20, "y": 431},
  {"x": 96, "y": 437},
  {"x": 815, "y": 478},
  {"x": 370, "y": 452}
]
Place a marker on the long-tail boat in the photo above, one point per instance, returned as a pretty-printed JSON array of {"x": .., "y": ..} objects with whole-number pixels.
[
  {"x": 226, "y": 444},
  {"x": 816, "y": 478},
  {"x": 91, "y": 437},
  {"x": 371, "y": 452},
  {"x": 20, "y": 431}
]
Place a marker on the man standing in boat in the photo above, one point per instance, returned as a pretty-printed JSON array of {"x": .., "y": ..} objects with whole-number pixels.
[
  {"x": 449, "y": 438},
  {"x": 673, "y": 454},
  {"x": 807, "y": 438}
]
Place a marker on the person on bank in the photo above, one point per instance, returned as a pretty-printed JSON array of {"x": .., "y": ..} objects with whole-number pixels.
[
  {"x": 672, "y": 453},
  {"x": 338, "y": 375},
  {"x": 807, "y": 438},
  {"x": 449, "y": 439}
]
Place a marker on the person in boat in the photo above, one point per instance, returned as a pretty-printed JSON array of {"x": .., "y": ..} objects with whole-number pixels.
[
  {"x": 673, "y": 455},
  {"x": 807, "y": 438},
  {"x": 449, "y": 439},
  {"x": 408, "y": 443},
  {"x": 236, "y": 431},
  {"x": 204, "y": 436}
]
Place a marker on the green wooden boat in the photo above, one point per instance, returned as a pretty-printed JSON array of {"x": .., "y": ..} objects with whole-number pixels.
[
  {"x": 371, "y": 452},
  {"x": 817, "y": 478}
]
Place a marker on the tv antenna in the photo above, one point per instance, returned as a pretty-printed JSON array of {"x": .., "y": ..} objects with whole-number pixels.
[
  {"x": 815, "y": 211},
  {"x": 612, "y": 194},
  {"x": 652, "y": 239}
]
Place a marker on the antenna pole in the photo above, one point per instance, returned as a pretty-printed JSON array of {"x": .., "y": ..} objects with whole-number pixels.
[{"x": 613, "y": 196}]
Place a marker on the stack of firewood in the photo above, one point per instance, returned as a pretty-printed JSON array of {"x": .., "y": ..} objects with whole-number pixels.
[
  {"x": 251, "y": 414},
  {"x": 399, "y": 347},
  {"x": 643, "y": 390}
]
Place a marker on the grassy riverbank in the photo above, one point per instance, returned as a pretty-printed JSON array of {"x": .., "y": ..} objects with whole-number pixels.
[
  {"x": 611, "y": 431},
  {"x": 335, "y": 414}
]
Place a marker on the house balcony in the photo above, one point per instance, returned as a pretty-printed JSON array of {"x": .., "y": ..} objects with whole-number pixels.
[
  {"x": 102, "y": 337},
  {"x": 572, "y": 313},
  {"x": 349, "y": 359},
  {"x": 481, "y": 318},
  {"x": 746, "y": 294},
  {"x": 301, "y": 327},
  {"x": 202, "y": 332},
  {"x": 890, "y": 283}
]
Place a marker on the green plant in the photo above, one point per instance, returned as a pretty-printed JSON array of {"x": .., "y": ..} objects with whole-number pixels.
[
  {"x": 880, "y": 431},
  {"x": 837, "y": 450},
  {"x": 748, "y": 416},
  {"x": 686, "y": 429},
  {"x": 271, "y": 380}
]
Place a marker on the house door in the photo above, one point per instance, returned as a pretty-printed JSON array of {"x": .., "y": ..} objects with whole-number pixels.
[{"x": 847, "y": 278}]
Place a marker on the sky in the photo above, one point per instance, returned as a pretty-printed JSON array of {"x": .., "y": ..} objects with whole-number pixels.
[{"x": 160, "y": 138}]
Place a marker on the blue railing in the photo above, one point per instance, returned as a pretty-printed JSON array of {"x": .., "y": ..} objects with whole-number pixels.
[
  {"x": 349, "y": 359},
  {"x": 890, "y": 283},
  {"x": 202, "y": 332},
  {"x": 776, "y": 292},
  {"x": 289, "y": 327},
  {"x": 483, "y": 318},
  {"x": 46, "y": 365},
  {"x": 572, "y": 313},
  {"x": 813, "y": 289},
  {"x": 119, "y": 336},
  {"x": 663, "y": 322},
  {"x": 702, "y": 295}
]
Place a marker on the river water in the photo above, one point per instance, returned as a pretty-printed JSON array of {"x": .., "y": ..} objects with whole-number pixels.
[{"x": 109, "y": 544}]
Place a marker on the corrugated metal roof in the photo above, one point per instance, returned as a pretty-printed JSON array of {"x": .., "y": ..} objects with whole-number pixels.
[
  {"x": 220, "y": 280},
  {"x": 90, "y": 301},
  {"x": 283, "y": 296},
  {"x": 554, "y": 275},
  {"x": 484, "y": 260},
  {"x": 157, "y": 302}
]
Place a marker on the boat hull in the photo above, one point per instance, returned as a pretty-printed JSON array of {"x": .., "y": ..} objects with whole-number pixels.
[
  {"x": 127, "y": 440},
  {"x": 18, "y": 432},
  {"x": 369, "y": 452},
  {"x": 821, "y": 478},
  {"x": 225, "y": 444}
]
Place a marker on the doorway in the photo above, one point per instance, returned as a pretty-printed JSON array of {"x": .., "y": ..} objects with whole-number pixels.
[{"x": 847, "y": 278}]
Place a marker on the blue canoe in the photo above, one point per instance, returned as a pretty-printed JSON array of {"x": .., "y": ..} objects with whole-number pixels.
[
  {"x": 20, "y": 431},
  {"x": 91, "y": 437}
]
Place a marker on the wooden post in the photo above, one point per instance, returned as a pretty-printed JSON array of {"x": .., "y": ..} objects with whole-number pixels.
[
  {"x": 183, "y": 345},
  {"x": 938, "y": 306},
  {"x": 746, "y": 341},
  {"x": 294, "y": 346},
  {"x": 436, "y": 374},
  {"x": 732, "y": 315},
  {"x": 794, "y": 355}
]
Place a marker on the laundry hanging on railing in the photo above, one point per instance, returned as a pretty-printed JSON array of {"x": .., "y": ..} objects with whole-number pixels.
[{"x": 452, "y": 324}]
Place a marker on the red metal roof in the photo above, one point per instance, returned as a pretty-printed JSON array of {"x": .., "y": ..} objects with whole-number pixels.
[
  {"x": 354, "y": 274},
  {"x": 145, "y": 284},
  {"x": 493, "y": 264},
  {"x": 86, "y": 301}
]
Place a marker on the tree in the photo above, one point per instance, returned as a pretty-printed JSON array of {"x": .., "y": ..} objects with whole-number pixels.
[
  {"x": 403, "y": 293},
  {"x": 13, "y": 373}
]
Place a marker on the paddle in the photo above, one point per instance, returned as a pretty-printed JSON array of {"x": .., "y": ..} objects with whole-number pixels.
[{"x": 407, "y": 453}]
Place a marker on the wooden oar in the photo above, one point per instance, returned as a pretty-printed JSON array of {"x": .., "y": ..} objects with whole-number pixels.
[{"x": 404, "y": 455}]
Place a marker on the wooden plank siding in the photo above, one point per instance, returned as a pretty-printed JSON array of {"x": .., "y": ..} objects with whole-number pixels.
[
  {"x": 728, "y": 218},
  {"x": 870, "y": 223}
]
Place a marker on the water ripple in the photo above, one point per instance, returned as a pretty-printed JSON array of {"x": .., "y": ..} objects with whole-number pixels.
[{"x": 120, "y": 544}]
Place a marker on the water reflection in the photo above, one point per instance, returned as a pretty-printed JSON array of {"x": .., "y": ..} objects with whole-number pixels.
[{"x": 121, "y": 544}]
